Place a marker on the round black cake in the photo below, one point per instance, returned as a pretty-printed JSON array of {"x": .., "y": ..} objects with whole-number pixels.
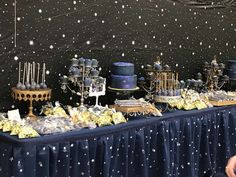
[
  {"x": 232, "y": 69},
  {"x": 123, "y": 76}
]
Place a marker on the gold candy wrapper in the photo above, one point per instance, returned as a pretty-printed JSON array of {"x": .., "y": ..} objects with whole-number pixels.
[
  {"x": 118, "y": 118},
  {"x": 104, "y": 120},
  {"x": 27, "y": 132},
  {"x": 7, "y": 126},
  {"x": 200, "y": 105},
  {"x": 85, "y": 116},
  {"x": 190, "y": 100},
  {"x": 108, "y": 112},
  {"x": 101, "y": 116},
  {"x": 59, "y": 111},
  {"x": 48, "y": 111},
  {"x": 56, "y": 111},
  {"x": 17, "y": 129},
  {"x": 2, "y": 122}
]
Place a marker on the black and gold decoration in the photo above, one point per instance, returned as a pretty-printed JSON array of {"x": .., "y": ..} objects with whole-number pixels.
[
  {"x": 29, "y": 88},
  {"x": 213, "y": 73},
  {"x": 84, "y": 80},
  {"x": 132, "y": 31},
  {"x": 160, "y": 83}
]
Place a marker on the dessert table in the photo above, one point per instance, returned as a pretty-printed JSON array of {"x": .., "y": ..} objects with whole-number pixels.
[{"x": 181, "y": 143}]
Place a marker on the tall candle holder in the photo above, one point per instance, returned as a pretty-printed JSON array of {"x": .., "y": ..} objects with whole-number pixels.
[
  {"x": 84, "y": 80},
  {"x": 213, "y": 75},
  {"x": 160, "y": 83},
  {"x": 31, "y": 95},
  {"x": 28, "y": 87}
]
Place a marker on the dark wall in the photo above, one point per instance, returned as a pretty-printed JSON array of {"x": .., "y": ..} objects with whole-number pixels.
[{"x": 184, "y": 33}]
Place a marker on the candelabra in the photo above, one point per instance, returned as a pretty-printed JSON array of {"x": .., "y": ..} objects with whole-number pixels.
[
  {"x": 84, "y": 80},
  {"x": 213, "y": 74},
  {"x": 160, "y": 81}
]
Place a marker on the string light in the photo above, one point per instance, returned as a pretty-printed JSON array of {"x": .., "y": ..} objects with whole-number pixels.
[{"x": 15, "y": 23}]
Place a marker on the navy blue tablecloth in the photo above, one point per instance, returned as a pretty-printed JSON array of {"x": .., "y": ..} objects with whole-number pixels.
[{"x": 179, "y": 144}]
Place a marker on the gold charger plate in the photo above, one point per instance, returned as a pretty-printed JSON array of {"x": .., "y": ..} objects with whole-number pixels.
[{"x": 116, "y": 89}]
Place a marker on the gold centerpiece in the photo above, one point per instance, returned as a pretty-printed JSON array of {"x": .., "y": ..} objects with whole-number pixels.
[
  {"x": 213, "y": 75},
  {"x": 160, "y": 83},
  {"x": 31, "y": 95},
  {"x": 29, "y": 88}
]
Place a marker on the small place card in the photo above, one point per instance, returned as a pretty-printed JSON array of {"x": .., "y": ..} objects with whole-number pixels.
[{"x": 14, "y": 115}]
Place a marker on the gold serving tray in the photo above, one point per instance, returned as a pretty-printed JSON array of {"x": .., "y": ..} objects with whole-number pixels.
[
  {"x": 146, "y": 109},
  {"x": 116, "y": 89},
  {"x": 166, "y": 99},
  {"x": 223, "y": 103},
  {"x": 31, "y": 95}
]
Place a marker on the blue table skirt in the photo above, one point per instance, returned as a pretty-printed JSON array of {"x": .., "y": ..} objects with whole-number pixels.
[{"x": 179, "y": 144}]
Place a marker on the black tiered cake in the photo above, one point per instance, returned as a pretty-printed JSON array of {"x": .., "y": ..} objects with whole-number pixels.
[
  {"x": 123, "y": 76},
  {"x": 232, "y": 70}
]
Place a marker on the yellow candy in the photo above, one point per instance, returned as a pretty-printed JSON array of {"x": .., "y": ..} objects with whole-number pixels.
[
  {"x": 188, "y": 106},
  {"x": 2, "y": 122},
  {"x": 180, "y": 104},
  {"x": 200, "y": 105},
  {"x": 85, "y": 116},
  {"x": 59, "y": 111},
  {"x": 48, "y": 111},
  {"x": 22, "y": 135},
  {"x": 93, "y": 118},
  {"x": 104, "y": 120},
  {"x": 118, "y": 118},
  {"x": 27, "y": 132},
  {"x": 15, "y": 130},
  {"x": 108, "y": 113},
  {"x": 7, "y": 126}
]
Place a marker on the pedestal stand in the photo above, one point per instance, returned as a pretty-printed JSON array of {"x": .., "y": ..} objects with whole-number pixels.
[{"x": 31, "y": 95}]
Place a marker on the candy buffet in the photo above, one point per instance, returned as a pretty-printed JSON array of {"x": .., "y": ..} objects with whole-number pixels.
[
  {"x": 78, "y": 138},
  {"x": 161, "y": 84}
]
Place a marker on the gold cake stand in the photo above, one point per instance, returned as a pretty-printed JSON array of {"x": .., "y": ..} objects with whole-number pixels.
[
  {"x": 31, "y": 95},
  {"x": 123, "y": 90},
  {"x": 166, "y": 99}
]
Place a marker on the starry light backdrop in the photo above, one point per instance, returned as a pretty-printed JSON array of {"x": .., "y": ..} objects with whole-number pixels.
[{"x": 184, "y": 33}]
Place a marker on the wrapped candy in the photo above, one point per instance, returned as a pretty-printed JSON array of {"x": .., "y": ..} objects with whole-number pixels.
[
  {"x": 188, "y": 106},
  {"x": 7, "y": 126},
  {"x": 74, "y": 114},
  {"x": 2, "y": 122},
  {"x": 27, "y": 132},
  {"x": 104, "y": 120},
  {"x": 190, "y": 100},
  {"x": 200, "y": 104},
  {"x": 56, "y": 111},
  {"x": 15, "y": 129},
  {"x": 48, "y": 125},
  {"x": 118, "y": 118},
  {"x": 85, "y": 116},
  {"x": 60, "y": 112}
]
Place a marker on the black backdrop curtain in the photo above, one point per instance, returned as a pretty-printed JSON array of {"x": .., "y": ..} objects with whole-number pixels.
[{"x": 184, "y": 33}]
